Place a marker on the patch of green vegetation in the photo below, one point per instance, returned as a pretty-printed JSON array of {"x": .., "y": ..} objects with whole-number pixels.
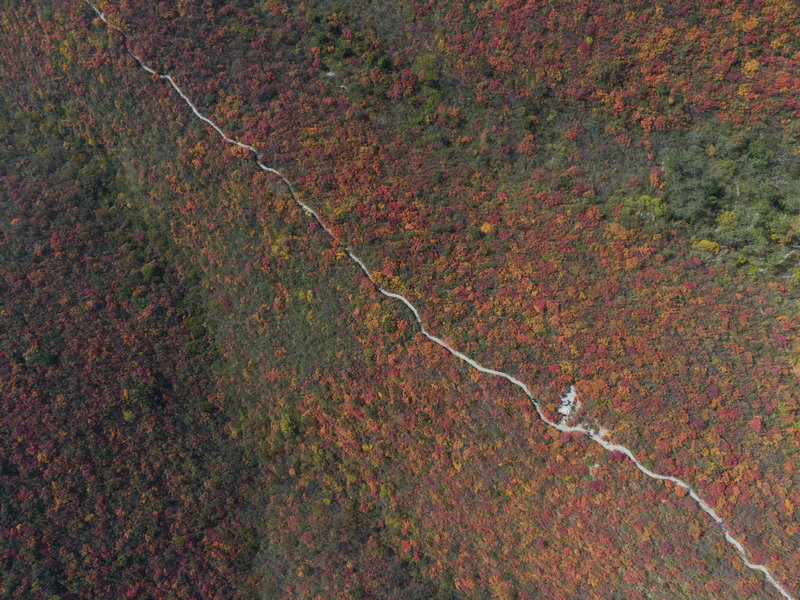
[
  {"x": 738, "y": 189},
  {"x": 645, "y": 207}
]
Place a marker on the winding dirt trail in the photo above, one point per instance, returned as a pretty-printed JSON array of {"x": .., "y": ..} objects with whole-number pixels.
[{"x": 589, "y": 433}]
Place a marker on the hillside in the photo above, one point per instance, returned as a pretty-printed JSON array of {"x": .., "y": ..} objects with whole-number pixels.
[{"x": 204, "y": 395}]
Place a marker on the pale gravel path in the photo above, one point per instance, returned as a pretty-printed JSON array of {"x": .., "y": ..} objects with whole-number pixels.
[{"x": 591, "y": 434}]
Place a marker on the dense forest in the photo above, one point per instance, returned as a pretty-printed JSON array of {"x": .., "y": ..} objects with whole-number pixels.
[{"x": 204, "y": 397}]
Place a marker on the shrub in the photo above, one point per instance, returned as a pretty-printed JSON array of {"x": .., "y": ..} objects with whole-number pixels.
[
  {"x": 706, "y": 246},
  {"x": 152, "y": 271},
  {"x": 727, "y": 220}
]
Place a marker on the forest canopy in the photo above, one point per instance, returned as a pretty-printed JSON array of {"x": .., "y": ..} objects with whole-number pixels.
[{"x": 205, "y": 396}]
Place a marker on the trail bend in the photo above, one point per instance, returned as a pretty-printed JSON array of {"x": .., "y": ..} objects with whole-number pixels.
[{"x": 560, "y": 426}]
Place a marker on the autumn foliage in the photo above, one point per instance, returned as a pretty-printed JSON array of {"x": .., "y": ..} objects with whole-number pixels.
[{"x": 202, "y": 396}]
